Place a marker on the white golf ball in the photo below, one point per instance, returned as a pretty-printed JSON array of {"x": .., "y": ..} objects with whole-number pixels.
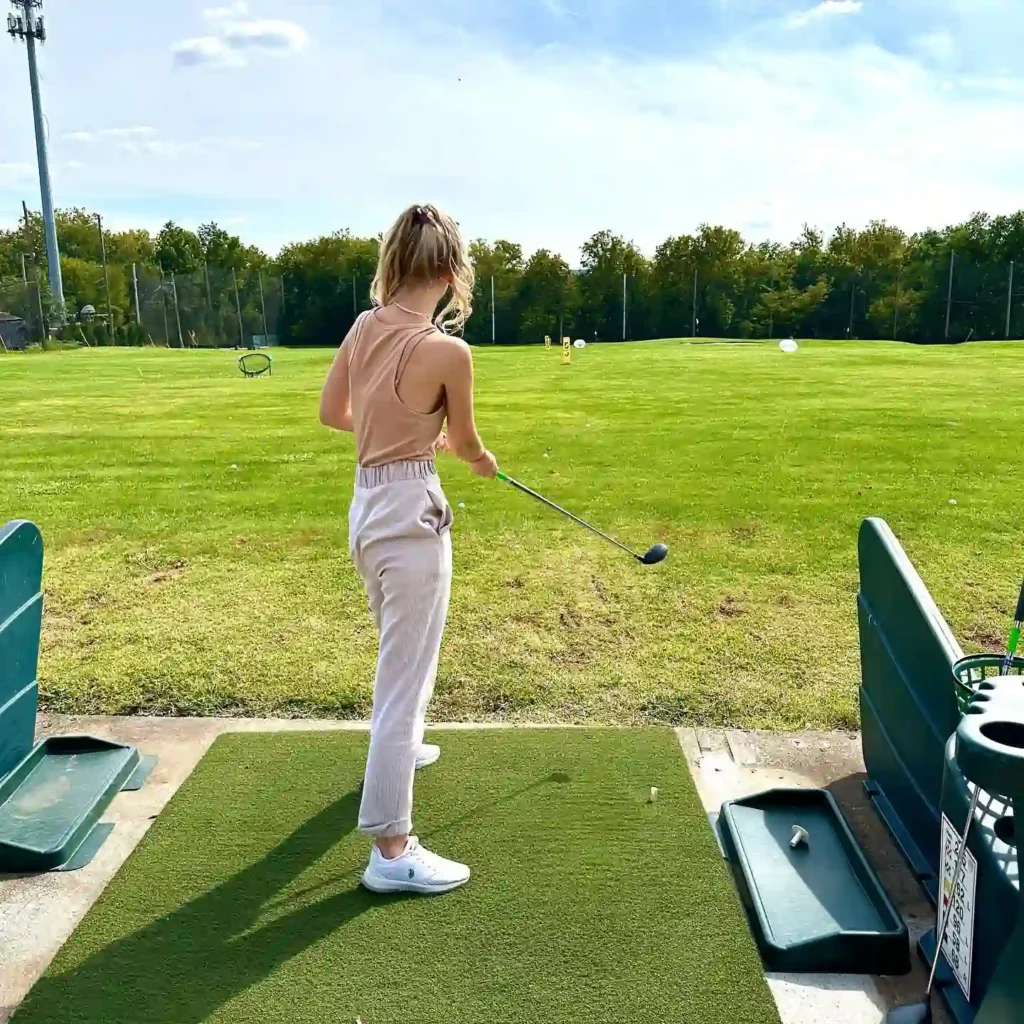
[
  {"x": 952, "y": 501},
  {"x": 579, "y": 343},
  {"x": 788, "y": 345},
  {"x": 462, "y": 504}
]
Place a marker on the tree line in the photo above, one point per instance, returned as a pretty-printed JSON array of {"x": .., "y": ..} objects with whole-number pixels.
[{"x": 207, "y": 287}]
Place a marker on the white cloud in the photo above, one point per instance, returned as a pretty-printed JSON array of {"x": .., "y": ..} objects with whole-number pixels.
[
  {"x": 134, "y": 133},
  {"x": 280, "y": 36},
  {"x": 235, "y": 10},
  {"x": 205, "y": 51},
  {"x": 825, "y": 9},
  {"x": 145, "y": 140},
  {"x": 235, "y": 34},
  {"x": 15, "y": 173},
  {"x": 138, "y": 132}
]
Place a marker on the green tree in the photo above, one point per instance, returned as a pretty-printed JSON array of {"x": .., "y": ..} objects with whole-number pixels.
[
  {"x": 546, "y": 297},
  {"x": 178, "y": 250},
  {"x": 502, "y": 262},
  {"x": 606, "y": 258},
  {"x": 327, "y": 284}
]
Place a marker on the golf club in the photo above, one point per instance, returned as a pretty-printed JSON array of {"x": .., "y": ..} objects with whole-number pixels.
[
  {"x": 652, "y": 557},
  {"x": 1014, "y": 640},
  {"x": 921, "y": 1013}
]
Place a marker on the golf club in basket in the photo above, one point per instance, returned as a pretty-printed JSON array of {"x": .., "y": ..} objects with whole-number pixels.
[
  {"x": 652, "y": 557},
  {"x": 1014, "y": 640},
  {"x": 921, "y": 1013}
]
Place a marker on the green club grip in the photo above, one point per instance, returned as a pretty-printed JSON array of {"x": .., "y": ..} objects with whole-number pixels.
[{"x": 504, "y": 479}]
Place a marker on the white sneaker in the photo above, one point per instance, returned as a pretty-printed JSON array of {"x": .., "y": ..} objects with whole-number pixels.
[
  {"x": 427, "y": 754},
  {"x": 416, "y": 870}
]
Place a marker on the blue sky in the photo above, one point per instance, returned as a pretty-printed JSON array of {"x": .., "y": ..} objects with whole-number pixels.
[{"x": 538, "y": 120}]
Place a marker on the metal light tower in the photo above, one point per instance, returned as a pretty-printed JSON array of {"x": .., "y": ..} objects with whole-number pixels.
[{"x": 28, "y": 26}]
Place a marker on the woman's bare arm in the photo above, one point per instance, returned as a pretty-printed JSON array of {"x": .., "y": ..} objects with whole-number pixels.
[
  {"x": 463, "y": 438},
  {"x": 336, "y": 399}
]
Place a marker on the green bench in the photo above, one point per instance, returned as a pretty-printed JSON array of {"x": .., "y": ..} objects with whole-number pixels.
[{"x": 53, "y": 793}]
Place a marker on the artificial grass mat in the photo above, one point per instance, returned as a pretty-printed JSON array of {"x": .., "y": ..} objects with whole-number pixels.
[{"x": 588, "y": 903}]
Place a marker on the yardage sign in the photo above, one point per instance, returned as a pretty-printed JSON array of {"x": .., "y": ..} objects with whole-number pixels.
[
  {"x": 547, "y": 341},
  {"x": 566, "y": 350},
  {"x": 959, "y": 943}
]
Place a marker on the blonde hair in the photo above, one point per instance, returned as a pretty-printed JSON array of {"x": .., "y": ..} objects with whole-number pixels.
[{"x": 423, "y": 246}]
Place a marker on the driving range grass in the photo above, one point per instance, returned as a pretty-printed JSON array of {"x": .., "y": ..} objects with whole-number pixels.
[{"x": 196, "y": 525}]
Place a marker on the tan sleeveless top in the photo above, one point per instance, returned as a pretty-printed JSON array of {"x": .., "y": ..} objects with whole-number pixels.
[{"x": 386, "y": 429}]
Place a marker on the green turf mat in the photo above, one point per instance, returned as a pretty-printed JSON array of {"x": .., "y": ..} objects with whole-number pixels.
[{"x": 588, "y": 904}]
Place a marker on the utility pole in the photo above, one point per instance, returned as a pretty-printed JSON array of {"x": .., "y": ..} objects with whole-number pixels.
[
  {"x": 853, "y": 296},
  {"x": 44, "y": 328},
  {"x": 896, "y": 305},
  {"x": 693, "y": 326},
  {"x": 623, "y": 307},
  {"x": 949, "y": 293},
  {"x": 238, "y": 310},
  {"x": 177, "y": 311},
  {"x": 28, "y": 26},
  {"x": 263, "y": 309},
  {"x": 163, "y": 305},
  {"x": 494, "y": 332},
  {"x": 355, "y": 304},
  {"x": 135, "y": 289},
  {"x": 1009, "y": 300},
  {"x": 106, "y": 277}
]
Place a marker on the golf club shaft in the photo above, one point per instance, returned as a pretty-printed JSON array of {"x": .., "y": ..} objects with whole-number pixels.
[
  {"x": 1014, "y": 640},
  {"x": 940, "y": 933},
  {"x": 558, "y": 508}
]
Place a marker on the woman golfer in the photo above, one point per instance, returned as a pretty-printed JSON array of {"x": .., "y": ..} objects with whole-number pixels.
[{"x": 397, "y": 378}]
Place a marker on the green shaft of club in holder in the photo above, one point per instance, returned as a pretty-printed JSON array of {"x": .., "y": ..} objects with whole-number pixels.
[{"x": 1013, "y": 640}]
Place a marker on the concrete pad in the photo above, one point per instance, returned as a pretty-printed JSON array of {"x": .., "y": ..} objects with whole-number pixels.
[
  {"x": 734, "y": 764},
  {"x": 38, "y": 913}
]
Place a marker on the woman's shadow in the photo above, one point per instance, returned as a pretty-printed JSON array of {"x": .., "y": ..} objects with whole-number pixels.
[{"x": 183, "y": 967}]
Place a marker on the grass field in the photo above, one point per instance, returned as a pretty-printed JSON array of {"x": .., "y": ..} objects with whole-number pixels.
[
  {"x": 587, "y": 903},
  {"x": 196, "y": 528}
]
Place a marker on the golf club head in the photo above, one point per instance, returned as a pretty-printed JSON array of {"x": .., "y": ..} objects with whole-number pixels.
[
  {"x": 657, "y": 554},
  {"x": 915, "y": 1013}
]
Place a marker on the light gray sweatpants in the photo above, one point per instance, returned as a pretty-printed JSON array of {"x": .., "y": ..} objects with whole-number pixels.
[{"x": 400, "y": 540}]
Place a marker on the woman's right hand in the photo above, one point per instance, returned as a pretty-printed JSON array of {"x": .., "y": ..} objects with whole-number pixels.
[{"x": 486, "y": 465}]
